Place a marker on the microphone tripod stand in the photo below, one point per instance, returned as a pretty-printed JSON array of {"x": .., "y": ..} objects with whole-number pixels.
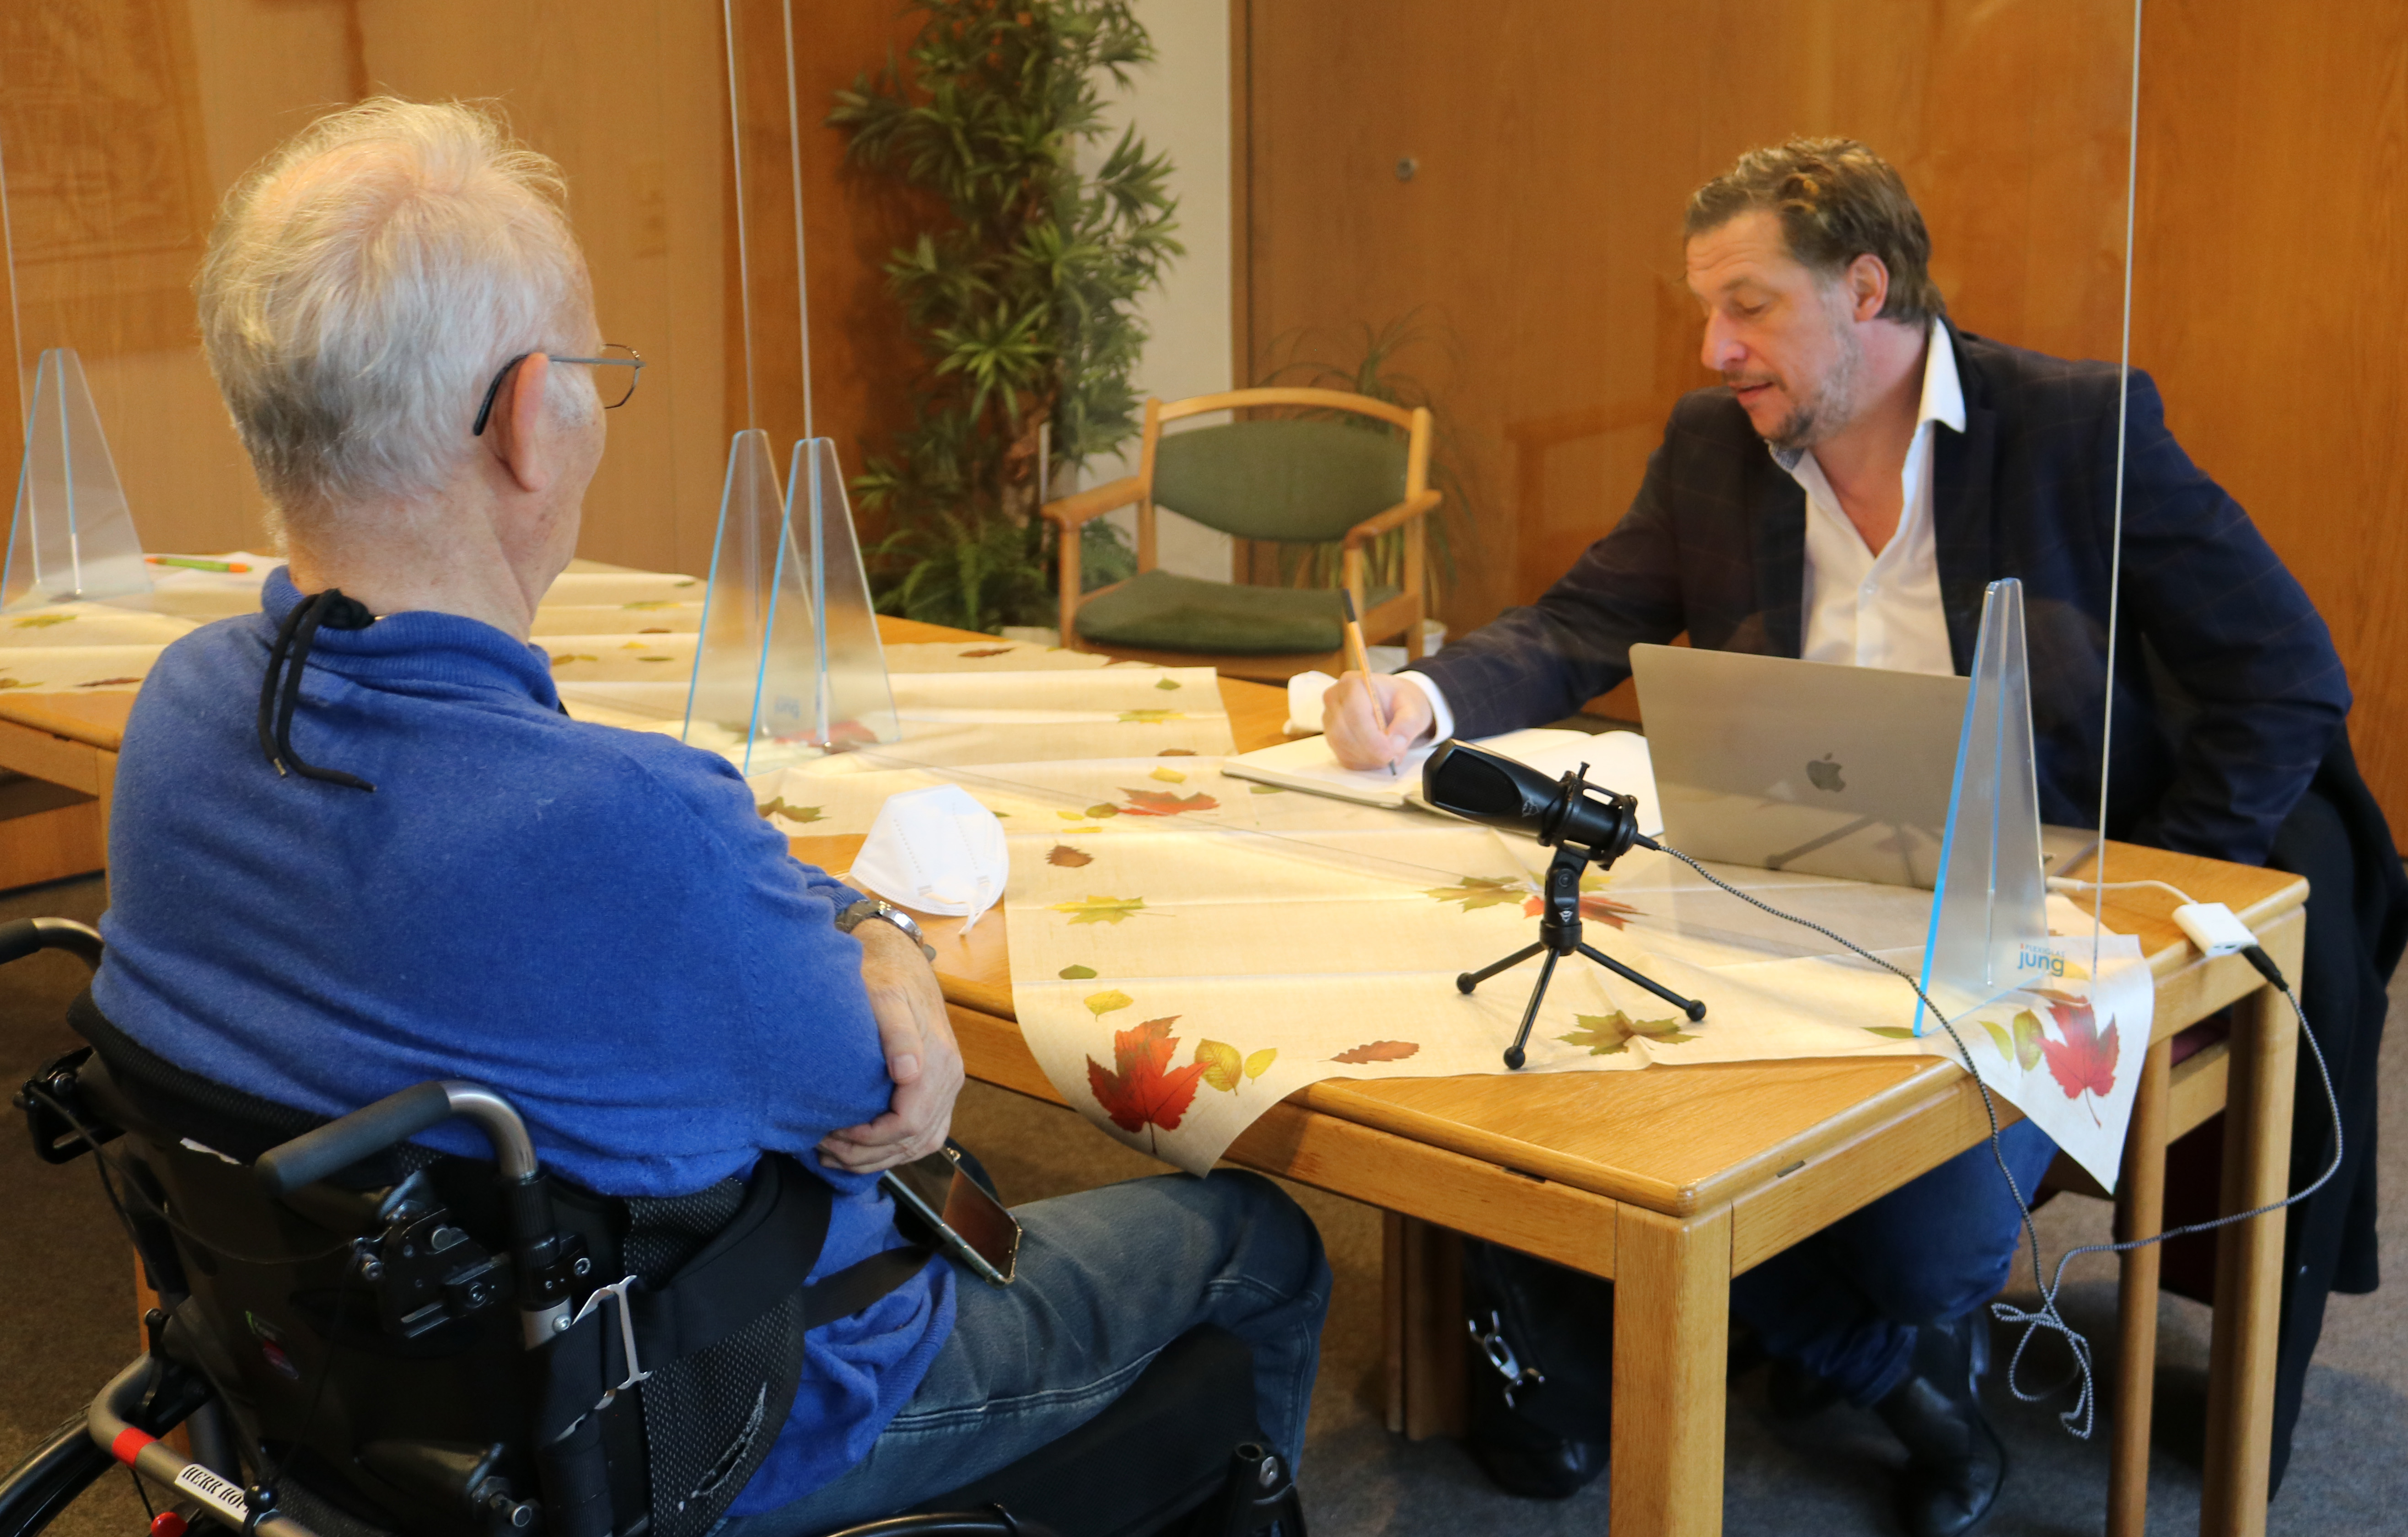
[{"x": 1559, "y": 935}]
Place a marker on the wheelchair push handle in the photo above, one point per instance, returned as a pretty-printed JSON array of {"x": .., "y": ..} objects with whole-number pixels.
[
  {"x": 24, "y": 935},
  {"x": 393, "y": 1120}
]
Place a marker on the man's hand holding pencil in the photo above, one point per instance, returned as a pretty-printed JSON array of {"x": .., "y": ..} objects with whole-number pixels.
[{"x": 1372, "y": 719}]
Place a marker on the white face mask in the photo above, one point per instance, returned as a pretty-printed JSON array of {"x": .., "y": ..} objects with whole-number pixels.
[{"x": 936, "y": 850}]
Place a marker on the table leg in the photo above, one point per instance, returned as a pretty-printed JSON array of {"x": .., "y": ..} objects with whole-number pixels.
[
  {"x": 2140, "y": 1208},
  {"x": 1423, "y": 1290},
  {"x": 1672, "y": 1346},
  {"x": 2249, "y": 1269}
]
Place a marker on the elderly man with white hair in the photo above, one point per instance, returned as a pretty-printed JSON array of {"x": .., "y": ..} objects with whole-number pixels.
[{"x": 358, "y": 844}]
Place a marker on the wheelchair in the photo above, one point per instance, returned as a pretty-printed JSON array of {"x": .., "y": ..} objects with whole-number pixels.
[{"x": 360, "y": 1337}]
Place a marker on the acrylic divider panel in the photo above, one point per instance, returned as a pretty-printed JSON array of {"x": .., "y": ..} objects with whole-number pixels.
[
  {"x": 854, "y": 702},
  {"x": 1989, "y": 917},
  {"x": 788, "y": 663},
  {"x": 73, "y": 535}
]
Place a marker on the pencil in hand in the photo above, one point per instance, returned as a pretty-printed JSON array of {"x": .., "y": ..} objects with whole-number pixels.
[{"x": 1359, "y": 656}]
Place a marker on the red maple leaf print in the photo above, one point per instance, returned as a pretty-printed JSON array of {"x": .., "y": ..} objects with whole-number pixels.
[
  {"x": 1145, "y": 1090},
  {"x": 1163, "y": 803},
  {"x": 2085, "y": 1059}
]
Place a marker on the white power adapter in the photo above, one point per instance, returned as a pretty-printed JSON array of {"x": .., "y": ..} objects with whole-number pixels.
[{"x": 2212, "y": 928}]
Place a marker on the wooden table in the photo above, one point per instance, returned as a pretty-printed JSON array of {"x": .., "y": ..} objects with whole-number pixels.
[
  {"x": 68, "y": 740},
  {"x": 1670, "y": 1181}
]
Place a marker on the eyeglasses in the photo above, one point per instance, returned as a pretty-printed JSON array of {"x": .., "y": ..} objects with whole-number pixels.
[{"x": 622, "y": 357}]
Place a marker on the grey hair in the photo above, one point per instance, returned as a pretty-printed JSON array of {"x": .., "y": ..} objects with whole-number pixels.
[{"x": 364, "y": 284}]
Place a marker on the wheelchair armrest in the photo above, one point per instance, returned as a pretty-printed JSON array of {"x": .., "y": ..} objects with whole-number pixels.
[
  {"x": 22, "y": 938},
  {"x": 365, "y": 1132}
]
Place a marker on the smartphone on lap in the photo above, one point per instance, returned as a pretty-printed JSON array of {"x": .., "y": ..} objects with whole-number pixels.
[{"x": 958, "y": 1215}]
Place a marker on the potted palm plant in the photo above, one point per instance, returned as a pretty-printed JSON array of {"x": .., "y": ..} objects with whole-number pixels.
[{"x": 1021, "y": 296}]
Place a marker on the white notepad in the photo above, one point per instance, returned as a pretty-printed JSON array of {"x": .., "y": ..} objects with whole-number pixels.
[{"x": 1617, "y": 760}]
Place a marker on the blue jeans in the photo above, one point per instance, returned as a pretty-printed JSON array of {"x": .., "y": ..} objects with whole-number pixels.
[
  {"x": 1106, "y": 1279},
  {"x": 1845, "y": 1304}
]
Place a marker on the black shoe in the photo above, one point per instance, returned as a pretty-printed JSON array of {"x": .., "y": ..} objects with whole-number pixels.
[
  {"x": 1955, "y": 1464},
  {"x": 1522, "y": 1456}
]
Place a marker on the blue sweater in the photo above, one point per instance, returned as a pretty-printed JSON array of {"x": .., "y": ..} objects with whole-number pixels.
[{"x": 594, "y": 921}]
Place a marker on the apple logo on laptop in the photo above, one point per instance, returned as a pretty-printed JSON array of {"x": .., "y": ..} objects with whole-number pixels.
[{"x": 1825, "y": 774}]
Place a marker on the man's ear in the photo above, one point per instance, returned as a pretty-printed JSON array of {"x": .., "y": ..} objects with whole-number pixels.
[
  {"x": 518, "y": 432},
  {"x": 1867, "y": 286}
]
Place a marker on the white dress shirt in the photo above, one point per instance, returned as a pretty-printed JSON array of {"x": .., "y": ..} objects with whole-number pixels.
[
  {"x": 1882, "y": 611},
  {"x": 1872, "y": 611}
]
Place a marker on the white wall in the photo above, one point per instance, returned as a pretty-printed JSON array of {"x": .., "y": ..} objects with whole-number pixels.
[{"x": 1181, "y": 107}]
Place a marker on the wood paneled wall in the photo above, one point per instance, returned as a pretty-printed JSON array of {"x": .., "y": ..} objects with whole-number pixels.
[
  {"x": 123, "y": 122},
  {"x": 2271, "y": 290},
  {"x": 1557, "y": 139},
  {"x": 1555, "y": 143}
]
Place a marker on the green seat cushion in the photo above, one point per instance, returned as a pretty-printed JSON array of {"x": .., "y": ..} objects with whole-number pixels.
[
  {"x": 1159, "y": 611},
  {"x": 1304, "y": 482}
]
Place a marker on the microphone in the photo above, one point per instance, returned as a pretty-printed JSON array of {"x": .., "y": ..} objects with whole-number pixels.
[{"x": 1488, "y": 787}]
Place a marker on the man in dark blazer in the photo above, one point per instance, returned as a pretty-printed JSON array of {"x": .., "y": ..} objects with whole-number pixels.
[{"x": 1864, "y": 473}]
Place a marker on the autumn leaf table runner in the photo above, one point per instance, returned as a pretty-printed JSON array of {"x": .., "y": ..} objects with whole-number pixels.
[{"x": 1189, "y": 948}]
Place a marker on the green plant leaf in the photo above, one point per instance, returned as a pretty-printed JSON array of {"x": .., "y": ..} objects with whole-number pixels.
[
  {"x": 778, "y": 807},
  {"x": 1078, "y": 973},
  {"x": 1167, "y": 683},
  {"x": 1894, "y": 1032}
]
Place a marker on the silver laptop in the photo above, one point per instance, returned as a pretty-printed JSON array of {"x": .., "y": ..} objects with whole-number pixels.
[{"x": 1811, "y": 766}]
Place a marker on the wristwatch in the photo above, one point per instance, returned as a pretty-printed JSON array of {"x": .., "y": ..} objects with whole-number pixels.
[{"x": 860, "y": 912}]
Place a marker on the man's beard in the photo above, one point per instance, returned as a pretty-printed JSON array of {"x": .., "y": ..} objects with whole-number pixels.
[{"x": 1830, "y": 408}]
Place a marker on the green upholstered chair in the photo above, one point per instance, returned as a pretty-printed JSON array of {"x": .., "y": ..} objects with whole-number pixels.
[{"x": 1306, "y": 480}]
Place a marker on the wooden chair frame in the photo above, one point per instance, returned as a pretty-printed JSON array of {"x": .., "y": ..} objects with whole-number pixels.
[{"x": 1402, "y": 613}]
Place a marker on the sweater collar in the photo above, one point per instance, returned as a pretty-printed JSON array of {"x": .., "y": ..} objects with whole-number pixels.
[{"x": 419, "y": 645}]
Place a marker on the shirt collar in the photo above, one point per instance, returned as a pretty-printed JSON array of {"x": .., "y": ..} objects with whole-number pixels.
[
  {"x": 419, "y": 645},
  {"x": 1944, "y": 393}
]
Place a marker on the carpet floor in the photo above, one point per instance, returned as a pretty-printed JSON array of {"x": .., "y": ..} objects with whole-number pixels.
[{"x": 66, "y": 1324}]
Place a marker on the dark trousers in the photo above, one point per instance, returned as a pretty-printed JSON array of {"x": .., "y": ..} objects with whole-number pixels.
[{"x": 1845, "y": 1304}]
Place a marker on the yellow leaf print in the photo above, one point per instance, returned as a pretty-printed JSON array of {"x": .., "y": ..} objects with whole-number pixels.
[
  {"x": 1100, "y": 909},
  {"x": 44, "y": 621},
  {"x": 1609, "y": 1035},
  {"x": 1225, "y": 1070},
  {"x": 1168, "y": 776},
  {"x": 1100, "y": 1004},
  {"x": 1223, "y": 1066},
  {"x": 1478, "y": 891},
  {"x": 1151, "y": 717}
]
